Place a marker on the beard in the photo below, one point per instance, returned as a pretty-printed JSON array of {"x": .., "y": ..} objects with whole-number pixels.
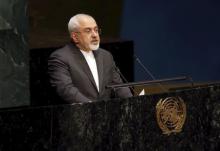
[{"x": 94, "y": 46}]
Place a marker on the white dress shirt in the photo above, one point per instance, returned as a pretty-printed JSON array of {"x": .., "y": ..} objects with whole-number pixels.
[{"x": 90, "y": 59}]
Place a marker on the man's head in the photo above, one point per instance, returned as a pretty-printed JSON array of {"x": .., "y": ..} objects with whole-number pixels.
[{"x": 84, "y": 32}]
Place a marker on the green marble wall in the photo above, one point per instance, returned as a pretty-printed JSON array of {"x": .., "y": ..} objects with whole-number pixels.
[{"x": 14, "y": 57}]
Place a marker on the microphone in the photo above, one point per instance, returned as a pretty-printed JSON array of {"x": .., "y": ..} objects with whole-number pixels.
[
  {"x": 153, "y": 78},
  {"x": 131, "y": 84},
  {"x": 148, "y": 73},
  {"x": 124, "y": 79}
]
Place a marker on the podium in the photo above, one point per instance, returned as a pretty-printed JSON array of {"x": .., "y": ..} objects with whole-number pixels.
[{"x": 130, "y": 124}]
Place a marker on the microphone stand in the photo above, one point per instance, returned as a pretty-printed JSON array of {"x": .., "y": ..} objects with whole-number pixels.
[{"x": 147, "y": 71}]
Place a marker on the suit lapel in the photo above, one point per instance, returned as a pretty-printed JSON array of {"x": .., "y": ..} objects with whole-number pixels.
[{"x": 99, "y": 63}]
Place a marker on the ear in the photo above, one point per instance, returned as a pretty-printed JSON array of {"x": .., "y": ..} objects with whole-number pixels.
[{"x": 74, "y": 36}]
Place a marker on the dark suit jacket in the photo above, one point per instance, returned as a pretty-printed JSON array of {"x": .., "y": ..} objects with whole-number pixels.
[{"x": 73, "y": 81}]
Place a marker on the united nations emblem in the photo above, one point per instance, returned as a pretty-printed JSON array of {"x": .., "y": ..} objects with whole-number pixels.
[{"x": 171, "y": 114}]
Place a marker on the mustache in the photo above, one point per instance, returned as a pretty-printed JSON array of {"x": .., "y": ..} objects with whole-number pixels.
[{"x": 95, "y": 40}]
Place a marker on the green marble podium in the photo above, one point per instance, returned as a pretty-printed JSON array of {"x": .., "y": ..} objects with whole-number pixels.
[{"x": 115, "y": 125}]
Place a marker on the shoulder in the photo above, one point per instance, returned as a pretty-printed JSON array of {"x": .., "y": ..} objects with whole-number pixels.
[
  {"x": 64, "y": 52},
  {"x": 104, "y": 52}
]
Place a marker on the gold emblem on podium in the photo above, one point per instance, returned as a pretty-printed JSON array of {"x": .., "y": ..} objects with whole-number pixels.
[{"x": 171, "y": 114}]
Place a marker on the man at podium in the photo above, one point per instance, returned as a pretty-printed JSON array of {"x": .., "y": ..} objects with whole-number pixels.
[{"x": 80, "y": 71}]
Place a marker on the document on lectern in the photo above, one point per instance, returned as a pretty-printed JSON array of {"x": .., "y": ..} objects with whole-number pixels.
[{"x": 142, "y": 92}]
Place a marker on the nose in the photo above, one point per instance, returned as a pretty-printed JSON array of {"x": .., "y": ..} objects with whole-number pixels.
[{"x": 94, "y": 33}]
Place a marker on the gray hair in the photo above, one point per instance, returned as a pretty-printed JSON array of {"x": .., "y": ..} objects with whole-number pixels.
[{"x": 74, "y": 22}]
